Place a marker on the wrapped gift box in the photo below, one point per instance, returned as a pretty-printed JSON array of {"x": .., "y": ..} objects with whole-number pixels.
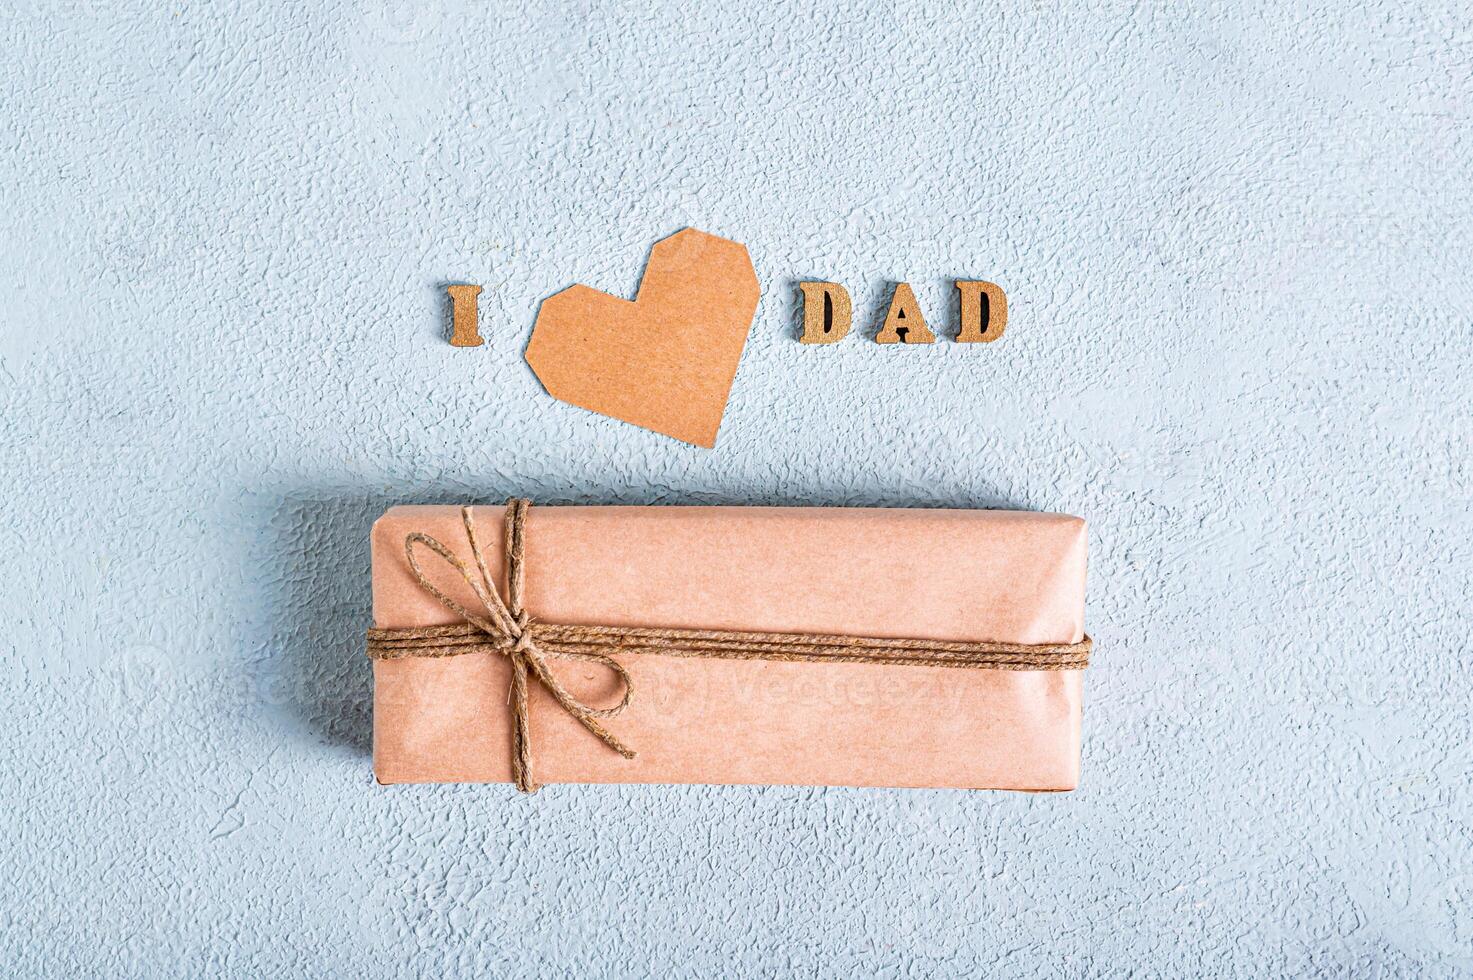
[{"x": 957, "y": 575}]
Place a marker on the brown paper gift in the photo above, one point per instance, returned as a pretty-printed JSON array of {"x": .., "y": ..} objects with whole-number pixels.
[{"x": 1006, "y": 577}]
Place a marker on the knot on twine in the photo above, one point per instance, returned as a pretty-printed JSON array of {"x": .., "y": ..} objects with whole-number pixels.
[{"x": 507, "y": 629}]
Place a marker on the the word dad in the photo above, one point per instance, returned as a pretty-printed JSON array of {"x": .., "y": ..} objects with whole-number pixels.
[{"x": 828, "y": 314}]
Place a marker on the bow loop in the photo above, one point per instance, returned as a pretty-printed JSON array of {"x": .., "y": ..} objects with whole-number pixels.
[{"x": 511, "y": 631}]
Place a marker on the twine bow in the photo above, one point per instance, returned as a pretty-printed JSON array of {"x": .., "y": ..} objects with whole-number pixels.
[{"x": 508, "y": 629}]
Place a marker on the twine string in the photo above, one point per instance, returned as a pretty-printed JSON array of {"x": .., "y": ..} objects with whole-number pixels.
[{"x": 507, "y": 629}]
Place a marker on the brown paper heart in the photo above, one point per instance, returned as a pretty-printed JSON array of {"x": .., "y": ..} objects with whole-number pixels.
[{"x": 664, "y": 361}]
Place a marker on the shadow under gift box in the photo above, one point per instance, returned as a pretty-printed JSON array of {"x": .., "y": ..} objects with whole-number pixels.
[{"x": 1006, "y": 576}]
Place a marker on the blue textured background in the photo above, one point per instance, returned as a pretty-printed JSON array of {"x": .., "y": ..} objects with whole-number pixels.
[{"x": 1237, "y": 244}]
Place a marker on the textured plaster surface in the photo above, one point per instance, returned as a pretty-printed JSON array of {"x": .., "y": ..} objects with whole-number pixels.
[{"x": 1236, "y": 239}]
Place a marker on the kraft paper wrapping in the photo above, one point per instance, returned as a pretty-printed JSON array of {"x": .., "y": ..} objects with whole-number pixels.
[{"x": 932, "y": 574}]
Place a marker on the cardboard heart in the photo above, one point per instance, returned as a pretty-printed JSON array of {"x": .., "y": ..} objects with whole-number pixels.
[{"x": 664, "y": 361}]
